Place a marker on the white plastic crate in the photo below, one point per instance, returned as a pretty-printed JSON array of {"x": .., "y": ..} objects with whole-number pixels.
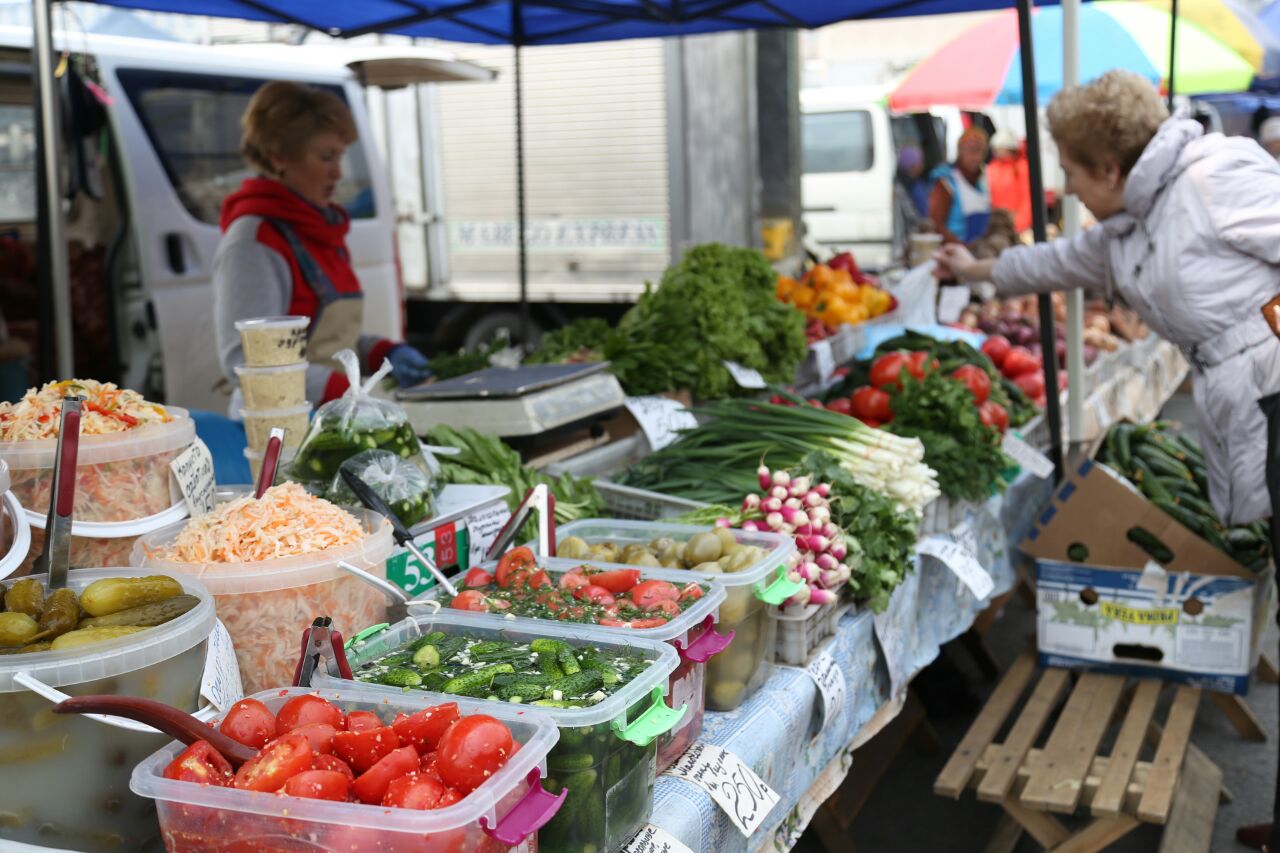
[
  {"x": 801, "y": 633},
  {"x": 642, "y": 504}
]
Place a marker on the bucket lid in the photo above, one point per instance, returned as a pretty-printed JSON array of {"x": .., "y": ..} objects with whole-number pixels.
[
  {"x": 288, "y": 321},
  {"x": 296, "y": 367},
  {"x": 116, "y": 529},
  {"x": 4, "y": 476},
  {"x": 148, "y": 440}
]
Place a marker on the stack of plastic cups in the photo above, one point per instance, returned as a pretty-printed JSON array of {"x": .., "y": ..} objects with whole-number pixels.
[{"x": 274, "y": 383}]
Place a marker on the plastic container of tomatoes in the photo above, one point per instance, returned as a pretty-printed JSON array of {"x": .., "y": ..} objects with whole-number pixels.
[
  {"x": 607, "y": 753},
  {"x": 735, "y": 674},
  {"x": 195, "y": 818},
  {"x": 692, "y": 633}
]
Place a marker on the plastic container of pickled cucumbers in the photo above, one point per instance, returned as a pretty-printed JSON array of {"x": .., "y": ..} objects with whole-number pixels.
[
  {"x": 737, "y": 672},
  {"x": 607, "y": 755}
]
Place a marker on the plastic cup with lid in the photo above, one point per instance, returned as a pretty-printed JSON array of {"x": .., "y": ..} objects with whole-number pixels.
[
  {"x": 283, "y": 387},
  {"x": 273, "y": 341}
]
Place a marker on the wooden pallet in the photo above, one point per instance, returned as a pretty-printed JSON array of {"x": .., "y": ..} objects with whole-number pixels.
[{"x": 1071, "y": 774}]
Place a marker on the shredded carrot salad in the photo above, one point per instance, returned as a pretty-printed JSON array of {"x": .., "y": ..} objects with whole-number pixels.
[
  {"x": 106, "y": 409},
  {"x": 286, "y": 522}
]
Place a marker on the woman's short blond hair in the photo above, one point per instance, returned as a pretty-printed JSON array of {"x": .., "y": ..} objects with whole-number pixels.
[
  {"x": 1109, "y": 120},
  {"x": 283, "y": 116}
]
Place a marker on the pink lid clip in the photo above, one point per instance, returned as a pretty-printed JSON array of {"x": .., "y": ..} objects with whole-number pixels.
[
  {"x": 707, "y": 646},
  {"x": 526, "y": 817}
]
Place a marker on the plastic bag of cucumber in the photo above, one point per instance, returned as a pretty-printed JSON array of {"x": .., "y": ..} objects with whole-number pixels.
[{"x": 1168, "y": 468}]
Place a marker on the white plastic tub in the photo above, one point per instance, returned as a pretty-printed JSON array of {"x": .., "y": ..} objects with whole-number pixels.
[
  {"x": 737, "y": 672},
  {"x": 274, "y": 387},
  {"x": 65, "y": 781},
  {"x": 258, "y": 424},
  {"x": 99, "y": 544},
  {"x": 120, "y": 476},
  {"x": 203, "y": 818},
  {"x": 15, "y": 528},
  {"x": 606, "y": 753},
  {"x": 273, "y": 341},
  {"x": 266, "y": 605}
]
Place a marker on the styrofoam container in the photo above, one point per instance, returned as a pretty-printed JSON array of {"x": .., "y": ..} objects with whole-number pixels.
[
  {"x": 120, "y": 476},
  {"x": 691, "y": 634},
  {"x": 280, "y": 387},
  {"x": 258, "y": 424},
  {"x": 195, "y": 818},
  {"x": 737, "y": 672},
  {"x": 614, "y": 793},
  {"x": 66, "y": 777},
  {"x": 98, "y": 544},
  {"x": 266, "y": 605},
  {"x": 15, "y": 528},
  {"x": 273, "y": 341}
]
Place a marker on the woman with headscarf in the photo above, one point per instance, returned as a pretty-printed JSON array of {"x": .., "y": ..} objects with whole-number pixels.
[{"x": 959, "y": 202}]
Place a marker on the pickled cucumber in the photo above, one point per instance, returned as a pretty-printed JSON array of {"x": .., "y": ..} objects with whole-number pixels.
[
  {"x": 16, "y": 628},
  {"x": 146, "y": 615},
  {"x": 25, "y": 596},
  {"x": 43, "y": 646},
  {"x": 89, "y": 636},
  {"x": 111, "y": 595},
  {"x": 61, "y": 613}
]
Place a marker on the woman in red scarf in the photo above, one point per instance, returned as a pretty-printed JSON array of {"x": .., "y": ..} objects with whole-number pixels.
[{"x": 284, "y": 246}]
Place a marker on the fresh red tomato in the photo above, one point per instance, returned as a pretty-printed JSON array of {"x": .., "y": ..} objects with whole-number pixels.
[
  {"x": 647, "y": 595},
  {"x": 319, "y": 785},
  {"x": 616, "y": 581},
  {"x": 302, "y": 710},
  {"x": 472, "y": 750},
  {"x": 573, "y": 579},
  {"x": 448, "y": 798},
  {"x": 515, "y": 567},
  {"x": 996, "y": 348},
  {"x": 920, "y": 363},
  {"x": 477, "y": 577},
  {"x": 843, "y": 405},
  {"x": 690, "y": 592},
  {"x": 277, "y": 763},
  {"x": 539, "y": 579},
  {"x": 1018, "y": 362},
  {"x": 320, "y": 735},
  {"x": 1031, "y": 384},
  {"x": 413, "y": 791},
  {"x": 371, "y": 786},
  {"x": 363, "y": 721},
  {"x": 651, "y": 622},
  {"x": 470, "y": 599},
  {"x": 422, "y": 730},
  {"x": 364, "y": 749},
  {"x": 887, "y": 369},
  {"x": 331, "y": 762},
  {"x": 871, "y": 403},
  {"x": 430, "y": 768},
  {"x": 202, "y": 764},
  {"x": 976, "y": 380},
  {"x": 249, "y": 722},
  {"x": 595, "y": 594},
  {"x": 994, "y": 415}
]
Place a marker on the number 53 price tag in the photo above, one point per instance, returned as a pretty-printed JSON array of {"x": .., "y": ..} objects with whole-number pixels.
[{"x": 735, "y": 787}]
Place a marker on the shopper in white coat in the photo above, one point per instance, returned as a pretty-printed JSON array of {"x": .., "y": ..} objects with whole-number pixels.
[{"x": 1189, "y": 236}]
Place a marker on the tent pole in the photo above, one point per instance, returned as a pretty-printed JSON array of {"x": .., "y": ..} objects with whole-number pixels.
[
  {"x": 1039, "y": 224},
  {"x": 526, "y": 320},
  {"x": 54, "y": 276},
  {"x": 1173, "y": 46},
  {"x": 1071, "y": 227}
]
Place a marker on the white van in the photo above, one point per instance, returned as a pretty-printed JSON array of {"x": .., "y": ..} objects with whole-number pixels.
[{"x": 143, "y": 228}]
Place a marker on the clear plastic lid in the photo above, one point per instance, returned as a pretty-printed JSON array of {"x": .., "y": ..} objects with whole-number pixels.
[
  {"x": 113, "y": 657},
  {"x": 269, "y": 575},
  {"x": 149, "y": 440},
  {"x": 534, "y": 732},
  {"x": 662, "y": 657},
  {"x": 779, "y": 549},
  {"x": 290, "y": 412},
  {"x": 288, "y": 321},
  {"x": 708, "y": 605},
  {"x": 298, "y": 367}
]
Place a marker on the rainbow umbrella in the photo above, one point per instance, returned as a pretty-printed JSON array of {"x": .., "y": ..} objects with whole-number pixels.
[
  {"x": 1230, "y": 22},
  {"x": 979, "y": 67}
]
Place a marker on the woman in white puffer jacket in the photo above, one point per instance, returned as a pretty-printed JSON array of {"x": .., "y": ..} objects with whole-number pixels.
[{"x": 1189, "y": 236}]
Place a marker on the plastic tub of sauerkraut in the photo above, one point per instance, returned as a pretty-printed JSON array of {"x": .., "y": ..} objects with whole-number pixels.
[
  {"x": 98, "y": 544},
  {"x": 274, "y": 387},
  {"x": 126, "y": 445},
  {"x": 267, "y": 602},
  {"x": 15, "y": 529},
  {"x": 273, "y": 341}
]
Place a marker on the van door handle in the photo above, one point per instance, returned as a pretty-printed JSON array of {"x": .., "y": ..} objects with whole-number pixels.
[
  {"x": 820, "y": 209},
  {"x": 173, "y": 253}
]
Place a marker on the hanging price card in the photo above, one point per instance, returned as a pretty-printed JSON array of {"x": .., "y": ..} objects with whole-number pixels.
[
  {"x": 827, "y": 675},
  {"x": 221, "y": 684},
  {"x": 193, "y": 472},
  {"x": 654, "y": 839},
  {"x": 825, "y": 358},
  {"x": 735, "y": 787},
  {"x": 745, "y": 376},
  {"x": 961, "y": 562},
  {"x": 482, "y": 529},
  {"x": 1028, "y": 458},
  {"x": 660, "y": 418}
]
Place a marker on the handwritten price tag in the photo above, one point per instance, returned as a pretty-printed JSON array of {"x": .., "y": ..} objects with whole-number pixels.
[
  {"x": 826, "y": 673},
  {"x": 654, "y": 839},
  {"x": 1028, "y": 458},
  {"x": 746, "y": 377},
  {"x": 735, "y": 787},
  {"x": 961, "y": 562},
  {"x": 966, "y": 536},
  {"x": 660, "y": 418},
  {"x": 951, "y": 301},
  {"x": 193, "y": 471},
  {"x": 221, "y": 684},
  {"x": 482, "y": 529},
  {"x": 825, "y": 357}
]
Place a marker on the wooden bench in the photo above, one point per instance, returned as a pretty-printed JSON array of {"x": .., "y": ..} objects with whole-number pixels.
[{"x": 1151, "y": 773}]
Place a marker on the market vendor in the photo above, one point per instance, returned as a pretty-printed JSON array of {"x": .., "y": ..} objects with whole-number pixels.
[
  {"x": 1189, "y": 236},
  {"x": 284, "y": 249},
  {"x": 959, "y": 202}
]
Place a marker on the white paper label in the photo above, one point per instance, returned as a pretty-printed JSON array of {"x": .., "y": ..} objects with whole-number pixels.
[
  {"x": 735, "y": 787},
  {"x": 826, "y": 673},
  {"x": 951, "y": 301},
  {"x": 221, "y": 684},
  {"x": 961, "y": 562},
  {"x": 1028, "y": 458},
  {"x": 654, "y": 839},
  {"x": 193, "y": 471},
  {"x": 660, "y": 418},
  {"x": 966, "y": 536},
  {"x": 825, "y": 358},
  {"x": 745, "y": 376},
  {"x": 482, "y": 529}
]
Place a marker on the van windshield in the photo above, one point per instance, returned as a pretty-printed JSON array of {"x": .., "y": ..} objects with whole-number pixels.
[
  {"x": 837, "y": 142},
  {"x": 193, "y": 120}
]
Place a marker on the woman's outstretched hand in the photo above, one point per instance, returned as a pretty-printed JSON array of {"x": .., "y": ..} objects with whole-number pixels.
[{"x": 955, "y": 262}]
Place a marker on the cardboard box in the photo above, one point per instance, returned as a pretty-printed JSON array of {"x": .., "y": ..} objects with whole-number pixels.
[{"x": 1196, "y": 618}]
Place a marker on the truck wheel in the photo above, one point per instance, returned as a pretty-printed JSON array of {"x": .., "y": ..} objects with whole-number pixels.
[{"x": 491, "y": 324}]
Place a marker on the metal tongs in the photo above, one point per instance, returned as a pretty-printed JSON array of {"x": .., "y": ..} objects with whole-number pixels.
[
  {"x": 270, "y": 461},
  {"x": 319, "y": 642},
  {"x": 538, "y": 498},
  {"x": 55, "y": 558}
]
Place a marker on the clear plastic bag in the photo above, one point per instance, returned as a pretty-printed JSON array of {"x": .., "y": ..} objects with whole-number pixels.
[
  {"x": 355, "y": 422},
  {"x": 407, "y": 489}
]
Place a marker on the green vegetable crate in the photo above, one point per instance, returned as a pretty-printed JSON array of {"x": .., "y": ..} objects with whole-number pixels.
[{"x": 607, "y": 753}]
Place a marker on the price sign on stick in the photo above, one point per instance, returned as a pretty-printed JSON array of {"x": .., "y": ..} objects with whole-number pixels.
[
  {"x": 735, "y": 787},
  {"x": 193, "y": 472},
  {"x": 660, "y": 418},
  {"x": 961, "y": 562},
  {"x": 221, "y": 683}
]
